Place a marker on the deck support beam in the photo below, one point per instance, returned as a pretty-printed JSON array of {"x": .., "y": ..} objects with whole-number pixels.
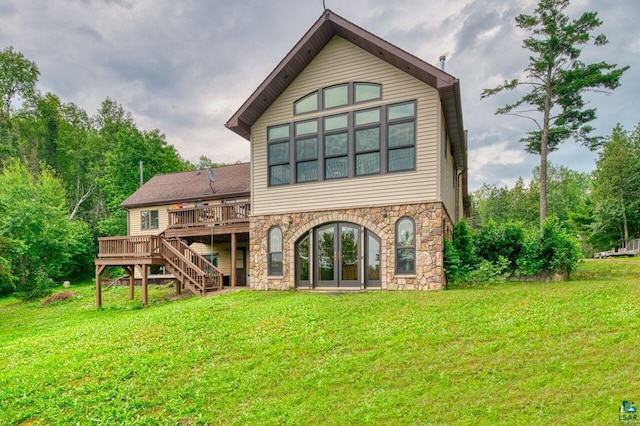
[
  {"x": 99, "y": 269},
  {"x": 145, "y": 289}
]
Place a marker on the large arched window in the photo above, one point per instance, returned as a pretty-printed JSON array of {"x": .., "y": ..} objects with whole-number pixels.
[
  {"x": 274, "y": 248},
  {"x": 405, "y": 246}
]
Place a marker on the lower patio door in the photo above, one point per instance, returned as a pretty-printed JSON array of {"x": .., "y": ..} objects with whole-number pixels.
[{"x": 337, "y": 251}]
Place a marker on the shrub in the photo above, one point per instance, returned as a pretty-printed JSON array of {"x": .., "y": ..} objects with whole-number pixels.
[
  {"x": 463, "y": 243},
  {"x": 551, "y": 251},
  {"x": 494, "y": 241}
]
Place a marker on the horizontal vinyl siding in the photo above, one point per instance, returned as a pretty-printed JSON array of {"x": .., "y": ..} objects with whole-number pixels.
[
  {"x": 447, "y": 176},
  {"x": 342, "y": 62},
  {"x": 224, "y": 254},
  {"x": 135, "y": 220}
]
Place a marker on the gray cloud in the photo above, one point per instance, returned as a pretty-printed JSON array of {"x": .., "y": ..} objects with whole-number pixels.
[{"x": 185, "y": 67}]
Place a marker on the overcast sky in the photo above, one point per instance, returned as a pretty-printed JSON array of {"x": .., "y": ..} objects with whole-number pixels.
[{"x": 185, "y": 67}]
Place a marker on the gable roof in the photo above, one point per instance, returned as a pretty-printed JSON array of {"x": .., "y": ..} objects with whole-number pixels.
[
  {"x": 230, "y": 181},
  {"x": 321, "y": 32}
]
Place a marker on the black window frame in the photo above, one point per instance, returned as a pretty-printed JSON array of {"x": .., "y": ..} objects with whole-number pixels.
[
  {"x": 277, "y": 141},
  {"x": 351, "y": 96},
  {"x": 385, "y": 152},
  {"x": 400, "y": 121}
]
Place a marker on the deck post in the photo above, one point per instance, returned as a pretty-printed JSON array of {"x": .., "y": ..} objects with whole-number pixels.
[
  {"x": 233, "y": 259},
  {"x": 99, "y": 269},
  {"x": 145, "y": 290},
  {"x": 131, "y": 272}
]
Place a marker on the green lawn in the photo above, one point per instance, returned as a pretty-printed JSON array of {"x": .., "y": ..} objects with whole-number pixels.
[{"x": 514, "y": 353}]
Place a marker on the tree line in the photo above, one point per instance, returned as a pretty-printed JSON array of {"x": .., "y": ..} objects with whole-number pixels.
[
  {"x": 63, "y": 175},
  {"x": 601, "y": 209}
]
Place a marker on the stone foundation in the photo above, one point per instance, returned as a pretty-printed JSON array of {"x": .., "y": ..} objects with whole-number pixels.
[{"x": 431, "y": 219}]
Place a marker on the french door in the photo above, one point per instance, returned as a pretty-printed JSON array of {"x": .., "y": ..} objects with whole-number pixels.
[{"x": 337, "y": 248}]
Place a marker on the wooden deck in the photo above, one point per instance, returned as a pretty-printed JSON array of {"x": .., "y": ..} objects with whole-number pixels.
[
  {"x": 203, "y": 221},
  {"x": 229, "y": 222}
]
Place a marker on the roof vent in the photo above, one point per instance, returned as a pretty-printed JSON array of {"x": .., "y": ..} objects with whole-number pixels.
[{"x": 441, "y": 64}]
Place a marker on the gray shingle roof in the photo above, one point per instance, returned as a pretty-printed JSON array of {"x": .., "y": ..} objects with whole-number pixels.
[{"x": 230, "y": 181}]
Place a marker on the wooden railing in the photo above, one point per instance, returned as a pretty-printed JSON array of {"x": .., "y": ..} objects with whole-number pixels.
[
  {"x": 140, "y": 246},
  {"x": 192, "y": 269},
  {"x": 219, "y": 214}
]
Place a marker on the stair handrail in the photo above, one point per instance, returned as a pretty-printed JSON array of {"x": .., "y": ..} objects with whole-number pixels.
[
  {"x": 212, "y": 272},
  {"x": 187, "y": 269}
]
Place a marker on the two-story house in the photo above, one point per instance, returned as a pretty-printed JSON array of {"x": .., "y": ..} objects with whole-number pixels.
[
  {"x": 358, "y": 167},
  {"x": 358, "y": 164}
]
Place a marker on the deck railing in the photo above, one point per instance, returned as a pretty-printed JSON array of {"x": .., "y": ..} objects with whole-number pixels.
[
  {"x": 140, "y": 246},
  {"x": 219, "y": 214}
]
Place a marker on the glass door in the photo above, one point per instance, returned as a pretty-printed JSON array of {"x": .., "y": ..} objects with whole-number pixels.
[
  {"x": 338, "y": 255},
  {"x": 326, "y": 256},
  {"x": 349, "y": 254}
]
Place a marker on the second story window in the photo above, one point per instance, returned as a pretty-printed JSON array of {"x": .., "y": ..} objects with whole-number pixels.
[
  {"x": 366, "y": 142},
  {"x": 401, "y": 130},
  {"x": 279, "y": 155},
  {"x": 149, "y": 219}
]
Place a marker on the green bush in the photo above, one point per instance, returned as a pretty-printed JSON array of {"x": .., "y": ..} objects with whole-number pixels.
[
  {"x": 463, "y": 243},
  {"x": 497, "y": 251},
  {"x": 494, "y": 241},
  {"x": 34, "y": 284}
]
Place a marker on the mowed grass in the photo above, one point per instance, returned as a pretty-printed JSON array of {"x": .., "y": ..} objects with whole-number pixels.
[{"x": 512, "y": 353}]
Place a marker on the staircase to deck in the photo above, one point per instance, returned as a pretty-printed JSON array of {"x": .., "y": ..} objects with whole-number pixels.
[{"x": 192, "y": 271}]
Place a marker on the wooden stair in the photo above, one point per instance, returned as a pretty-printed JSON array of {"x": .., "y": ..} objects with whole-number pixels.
[{"x": 192, "y": 271}]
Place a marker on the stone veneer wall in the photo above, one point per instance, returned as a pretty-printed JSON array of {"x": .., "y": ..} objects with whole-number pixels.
[{"x": 432, "y": 221}]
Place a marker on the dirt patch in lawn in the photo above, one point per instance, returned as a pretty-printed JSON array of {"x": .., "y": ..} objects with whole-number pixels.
[{"x": 59, "y": 297}]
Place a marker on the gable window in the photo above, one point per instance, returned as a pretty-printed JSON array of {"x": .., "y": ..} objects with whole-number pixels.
[
  {"x": 274, "y": 251},
  {"x": 366, "y": 92},
  {"x": 149, "y": 219},
  {"x": 405, "y": 246},
  {"x": 335, "y": 96},
  {"x": 402, "y": 137},
  {"x": 371, "y": 141},
  {"x": 279, "y": 155},
  {"x": 307, "y": 104}
]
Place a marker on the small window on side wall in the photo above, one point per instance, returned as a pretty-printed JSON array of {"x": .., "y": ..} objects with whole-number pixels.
[
  {"x": 274, "y": 250},
  {"x": 405, "y": 246},
  {"x": 149, "y": 219}
]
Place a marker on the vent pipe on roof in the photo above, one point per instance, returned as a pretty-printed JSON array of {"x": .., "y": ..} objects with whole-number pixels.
[
  {"x": 441, "y": 64},
  {"x": 141, "y": 174}
]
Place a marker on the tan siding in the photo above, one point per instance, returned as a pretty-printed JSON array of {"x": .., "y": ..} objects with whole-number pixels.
[
  {"x": 447, "y": 175},
  {"x": 341, "y": 62},
  {"x": 135, "y": 220}
]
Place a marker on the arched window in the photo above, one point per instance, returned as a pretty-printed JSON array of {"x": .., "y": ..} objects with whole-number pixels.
[
  {"x": 405, "y": 246},
  {"x": 274, "y": 249}
]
